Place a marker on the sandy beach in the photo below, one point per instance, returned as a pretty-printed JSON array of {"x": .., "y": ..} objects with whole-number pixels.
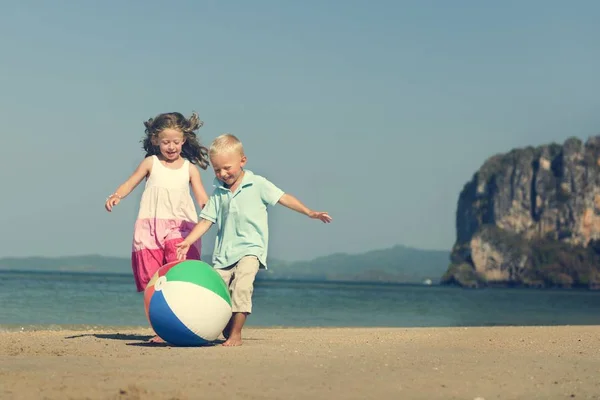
[{"x": 312, "y": 363}]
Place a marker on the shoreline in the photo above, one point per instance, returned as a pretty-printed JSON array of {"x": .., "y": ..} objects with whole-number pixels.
[
  {"x": 52, "y": 328},
  {"x": 549, "y": 362}
]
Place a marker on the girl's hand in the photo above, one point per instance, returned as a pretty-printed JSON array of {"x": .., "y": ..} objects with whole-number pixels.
[
  {"x": 112, "y": 201},
  {"x": 321, "y": 215},
  {"x": 182, "y": 249}
]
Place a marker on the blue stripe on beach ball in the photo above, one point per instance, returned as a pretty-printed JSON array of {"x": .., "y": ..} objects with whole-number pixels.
[{"x": 166, "y": 324}]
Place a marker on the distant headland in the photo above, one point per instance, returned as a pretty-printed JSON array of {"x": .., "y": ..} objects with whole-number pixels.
[{"x": 531, "y": 218}]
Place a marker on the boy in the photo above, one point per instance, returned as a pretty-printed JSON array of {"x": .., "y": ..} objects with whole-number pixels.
[{"x": 238, "y": 206}]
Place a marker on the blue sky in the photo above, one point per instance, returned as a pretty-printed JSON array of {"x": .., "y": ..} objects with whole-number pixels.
[{"x": 376, "y": 111}]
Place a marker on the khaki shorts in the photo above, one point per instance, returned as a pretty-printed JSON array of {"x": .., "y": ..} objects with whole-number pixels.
[{"x": 241, "y": 286}]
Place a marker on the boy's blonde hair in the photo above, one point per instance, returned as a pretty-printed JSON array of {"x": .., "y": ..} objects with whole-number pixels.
[{"x": 226, "y": 143}]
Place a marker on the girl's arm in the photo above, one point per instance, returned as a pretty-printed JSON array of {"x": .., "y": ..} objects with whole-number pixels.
[
  {"x": 293, "y": 203},
  {"x": 142, "y": 170},
  {"x": 197, "y": 187}
]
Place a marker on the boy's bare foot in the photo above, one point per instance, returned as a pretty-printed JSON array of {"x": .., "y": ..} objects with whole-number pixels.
[
  {"x": 156, "y": 339},
  {"x": 233, "y": 340},
  {"x": 233, "y": 330}
]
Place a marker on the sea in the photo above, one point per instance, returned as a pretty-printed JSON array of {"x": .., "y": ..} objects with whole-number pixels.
[{"x": 82, "y": 301}]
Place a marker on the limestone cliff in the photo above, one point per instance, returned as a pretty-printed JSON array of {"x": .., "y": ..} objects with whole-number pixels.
[{"x": 531, "y": 217}]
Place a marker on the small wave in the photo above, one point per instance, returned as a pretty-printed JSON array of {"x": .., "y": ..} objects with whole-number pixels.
[{"x": 65, "y": 327}]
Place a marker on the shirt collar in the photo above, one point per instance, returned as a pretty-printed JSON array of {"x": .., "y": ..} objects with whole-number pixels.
[{"x": 247, "y": 180}]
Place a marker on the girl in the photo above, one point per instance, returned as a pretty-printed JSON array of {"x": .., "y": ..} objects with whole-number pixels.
[{"x": 167, "y": 213}]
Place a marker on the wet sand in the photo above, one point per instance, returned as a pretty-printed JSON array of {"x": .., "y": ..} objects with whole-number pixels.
[{"x": 309, "y": 363}]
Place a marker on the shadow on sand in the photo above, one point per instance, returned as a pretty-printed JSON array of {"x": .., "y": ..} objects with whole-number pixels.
[{"x": 137, "y": 340}]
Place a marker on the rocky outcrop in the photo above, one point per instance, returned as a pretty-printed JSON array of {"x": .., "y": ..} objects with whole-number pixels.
[{"x": 531, "y": 217}]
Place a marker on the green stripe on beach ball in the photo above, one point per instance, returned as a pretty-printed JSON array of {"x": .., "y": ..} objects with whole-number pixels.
[{"x": 199, "y": 273}]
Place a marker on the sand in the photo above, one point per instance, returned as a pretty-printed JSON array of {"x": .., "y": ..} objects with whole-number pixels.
[{"x": 312, "y": 363}]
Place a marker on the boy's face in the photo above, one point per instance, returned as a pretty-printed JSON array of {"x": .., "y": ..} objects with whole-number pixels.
[{"x": 228, "y": 167}]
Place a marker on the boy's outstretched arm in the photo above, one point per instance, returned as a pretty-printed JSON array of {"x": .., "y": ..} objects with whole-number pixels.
[
  {"x": 293, "y": 203},
  {"x": 200, "y": 229}
]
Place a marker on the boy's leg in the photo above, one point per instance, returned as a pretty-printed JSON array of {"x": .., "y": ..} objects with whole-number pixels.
[
  {"x": 226, "y": 274},
  {"x": 241, "y": 288}
]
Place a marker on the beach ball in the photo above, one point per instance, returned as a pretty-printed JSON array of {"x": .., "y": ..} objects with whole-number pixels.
[{"x": 187, "y": 303}]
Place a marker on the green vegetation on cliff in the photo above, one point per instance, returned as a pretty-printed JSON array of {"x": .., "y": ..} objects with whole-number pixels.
[
  {"x": 539, "y": 263},
  {"x": 559, "y": 264}
]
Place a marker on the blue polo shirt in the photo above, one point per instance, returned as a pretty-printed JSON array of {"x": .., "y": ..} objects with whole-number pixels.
[{"x": 241, "y": 218}]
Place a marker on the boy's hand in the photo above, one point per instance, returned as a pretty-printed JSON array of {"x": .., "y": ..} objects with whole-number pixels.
[
  {"x": 182, "y": 249},
  {"x": 322, "y": 215}
]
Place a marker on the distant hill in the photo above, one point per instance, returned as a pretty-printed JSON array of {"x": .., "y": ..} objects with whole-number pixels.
[
  {"x": 86, "y": 263},
  {"x": 398, "y": 264}
]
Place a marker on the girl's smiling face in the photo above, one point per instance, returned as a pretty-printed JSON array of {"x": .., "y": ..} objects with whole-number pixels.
[{"x": 170, "y": 141}]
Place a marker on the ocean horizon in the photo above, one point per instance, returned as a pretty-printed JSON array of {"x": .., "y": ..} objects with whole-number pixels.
[{"x": 34, "y": 300}]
